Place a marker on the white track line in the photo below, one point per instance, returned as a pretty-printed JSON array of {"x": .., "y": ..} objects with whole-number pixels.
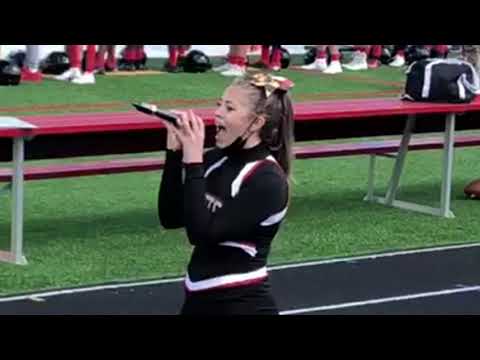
[
  {"x": 381, "y": 300},
  {"x": 273, "y": 268},
  {"x": 86, "y": 289},
  {"x": 375, "y": 256}
]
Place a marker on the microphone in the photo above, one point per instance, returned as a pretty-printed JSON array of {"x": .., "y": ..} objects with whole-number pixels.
[{"x": 151, "y": 109}]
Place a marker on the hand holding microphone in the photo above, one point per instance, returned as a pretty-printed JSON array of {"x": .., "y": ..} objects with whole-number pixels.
[
  {"x": 185, "y": 131},
  {"x": 169, "y": 119}
]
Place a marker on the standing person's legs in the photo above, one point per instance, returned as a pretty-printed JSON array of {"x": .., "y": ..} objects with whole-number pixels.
[
  {"x": 182, "y": 51},
  {"x": 171, "y": 64},
  {"x": 334, "y": 67},
  {"x": 237, "y": 61},
  {"x": 128, "y": 58},
  {"x": 176, "y": 54},
  {"x": 32, "y": 57},
  {"x": 75, "y": 57},
  {"x": 227, "y": 65},
  {"x": 140, "y": 57},
  {"x": 91, "y": 55},
  {"x": 374, "y": 56},
  {"x": 320, "y": 62},
  {"x": 100, "y": 61},
  {"x": 88, "y": 76},
  {"x": 30, "y": 71},
  {"x": 265, "y": 55},
  {"x": 264, "y": 61},
  {"x": 276, "y": 58},
  {"x": 399, "y": 58},
  {"x": 111, "y": 64},
  {"x": 359, "y": 61}
]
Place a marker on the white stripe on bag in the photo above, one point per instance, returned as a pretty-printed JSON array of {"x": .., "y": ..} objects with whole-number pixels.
[
  {"x": 427, "y": 78},
  {"x": 461, "y": 88},
  {"x": 428, "y": 74}
]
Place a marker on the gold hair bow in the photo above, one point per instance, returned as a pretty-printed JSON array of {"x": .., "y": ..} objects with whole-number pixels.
[{"x": 271, "y": 83}]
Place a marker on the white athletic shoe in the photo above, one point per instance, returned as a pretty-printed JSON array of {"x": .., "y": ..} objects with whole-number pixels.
[
  {"x": 222, "y": 68},
  {"x": 318, "y": 64},
  {"x": 235, "y": 70},
  {"x": 85, "y": 79},
  {"x": 398, "y": 61},
  {"x": 359, "y": 62},
  {"x": 69, "y": 74},
  {"x": 334, "y": 68}
]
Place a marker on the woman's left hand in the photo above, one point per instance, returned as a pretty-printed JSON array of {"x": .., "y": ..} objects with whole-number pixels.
[{"x": 191, "y": 133}]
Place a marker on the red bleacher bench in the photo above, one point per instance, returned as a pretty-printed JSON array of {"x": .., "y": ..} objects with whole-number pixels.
[
  {"x": 379, "y": 147},
  {"x": 105, "y": 167}
]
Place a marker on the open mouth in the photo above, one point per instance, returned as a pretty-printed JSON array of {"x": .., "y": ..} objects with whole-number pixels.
[{"x": 220, "y": 128}]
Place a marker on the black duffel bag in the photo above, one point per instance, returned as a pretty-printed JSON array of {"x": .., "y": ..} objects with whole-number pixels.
[{"x": 441, "y": 80}]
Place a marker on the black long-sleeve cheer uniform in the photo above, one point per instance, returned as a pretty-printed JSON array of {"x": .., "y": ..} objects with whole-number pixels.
[{"x": 231, "y": 206}]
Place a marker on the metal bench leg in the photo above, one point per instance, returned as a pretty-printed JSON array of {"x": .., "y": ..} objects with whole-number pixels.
[
  {"x": 371, "y": 178},
  {"x": 400, "y": 161},
  {"x": 16, "y": 250},
  {"x": 448, "y": 156}
]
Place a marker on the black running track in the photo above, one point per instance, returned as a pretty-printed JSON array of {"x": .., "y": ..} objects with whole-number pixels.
[{"x": 340, "y": 287}]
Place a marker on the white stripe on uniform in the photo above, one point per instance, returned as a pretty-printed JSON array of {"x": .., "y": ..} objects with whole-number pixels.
[
  {"x": 237, "y": 183},
  {"x": 215, "y": 166},
  {"x": 225, "y": 280},
  {"x": 249, "y": 249},
  {"x": 275, "y": 218}
]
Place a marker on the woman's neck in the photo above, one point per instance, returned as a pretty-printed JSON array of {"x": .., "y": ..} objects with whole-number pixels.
[{"x": 252, "y": 142}]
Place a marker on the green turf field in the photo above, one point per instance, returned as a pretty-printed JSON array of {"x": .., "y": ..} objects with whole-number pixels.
[{"x": 99, "y": 229}]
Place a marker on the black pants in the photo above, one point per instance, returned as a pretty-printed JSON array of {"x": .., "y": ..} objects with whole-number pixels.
[{"x": 248, "y": 300}]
